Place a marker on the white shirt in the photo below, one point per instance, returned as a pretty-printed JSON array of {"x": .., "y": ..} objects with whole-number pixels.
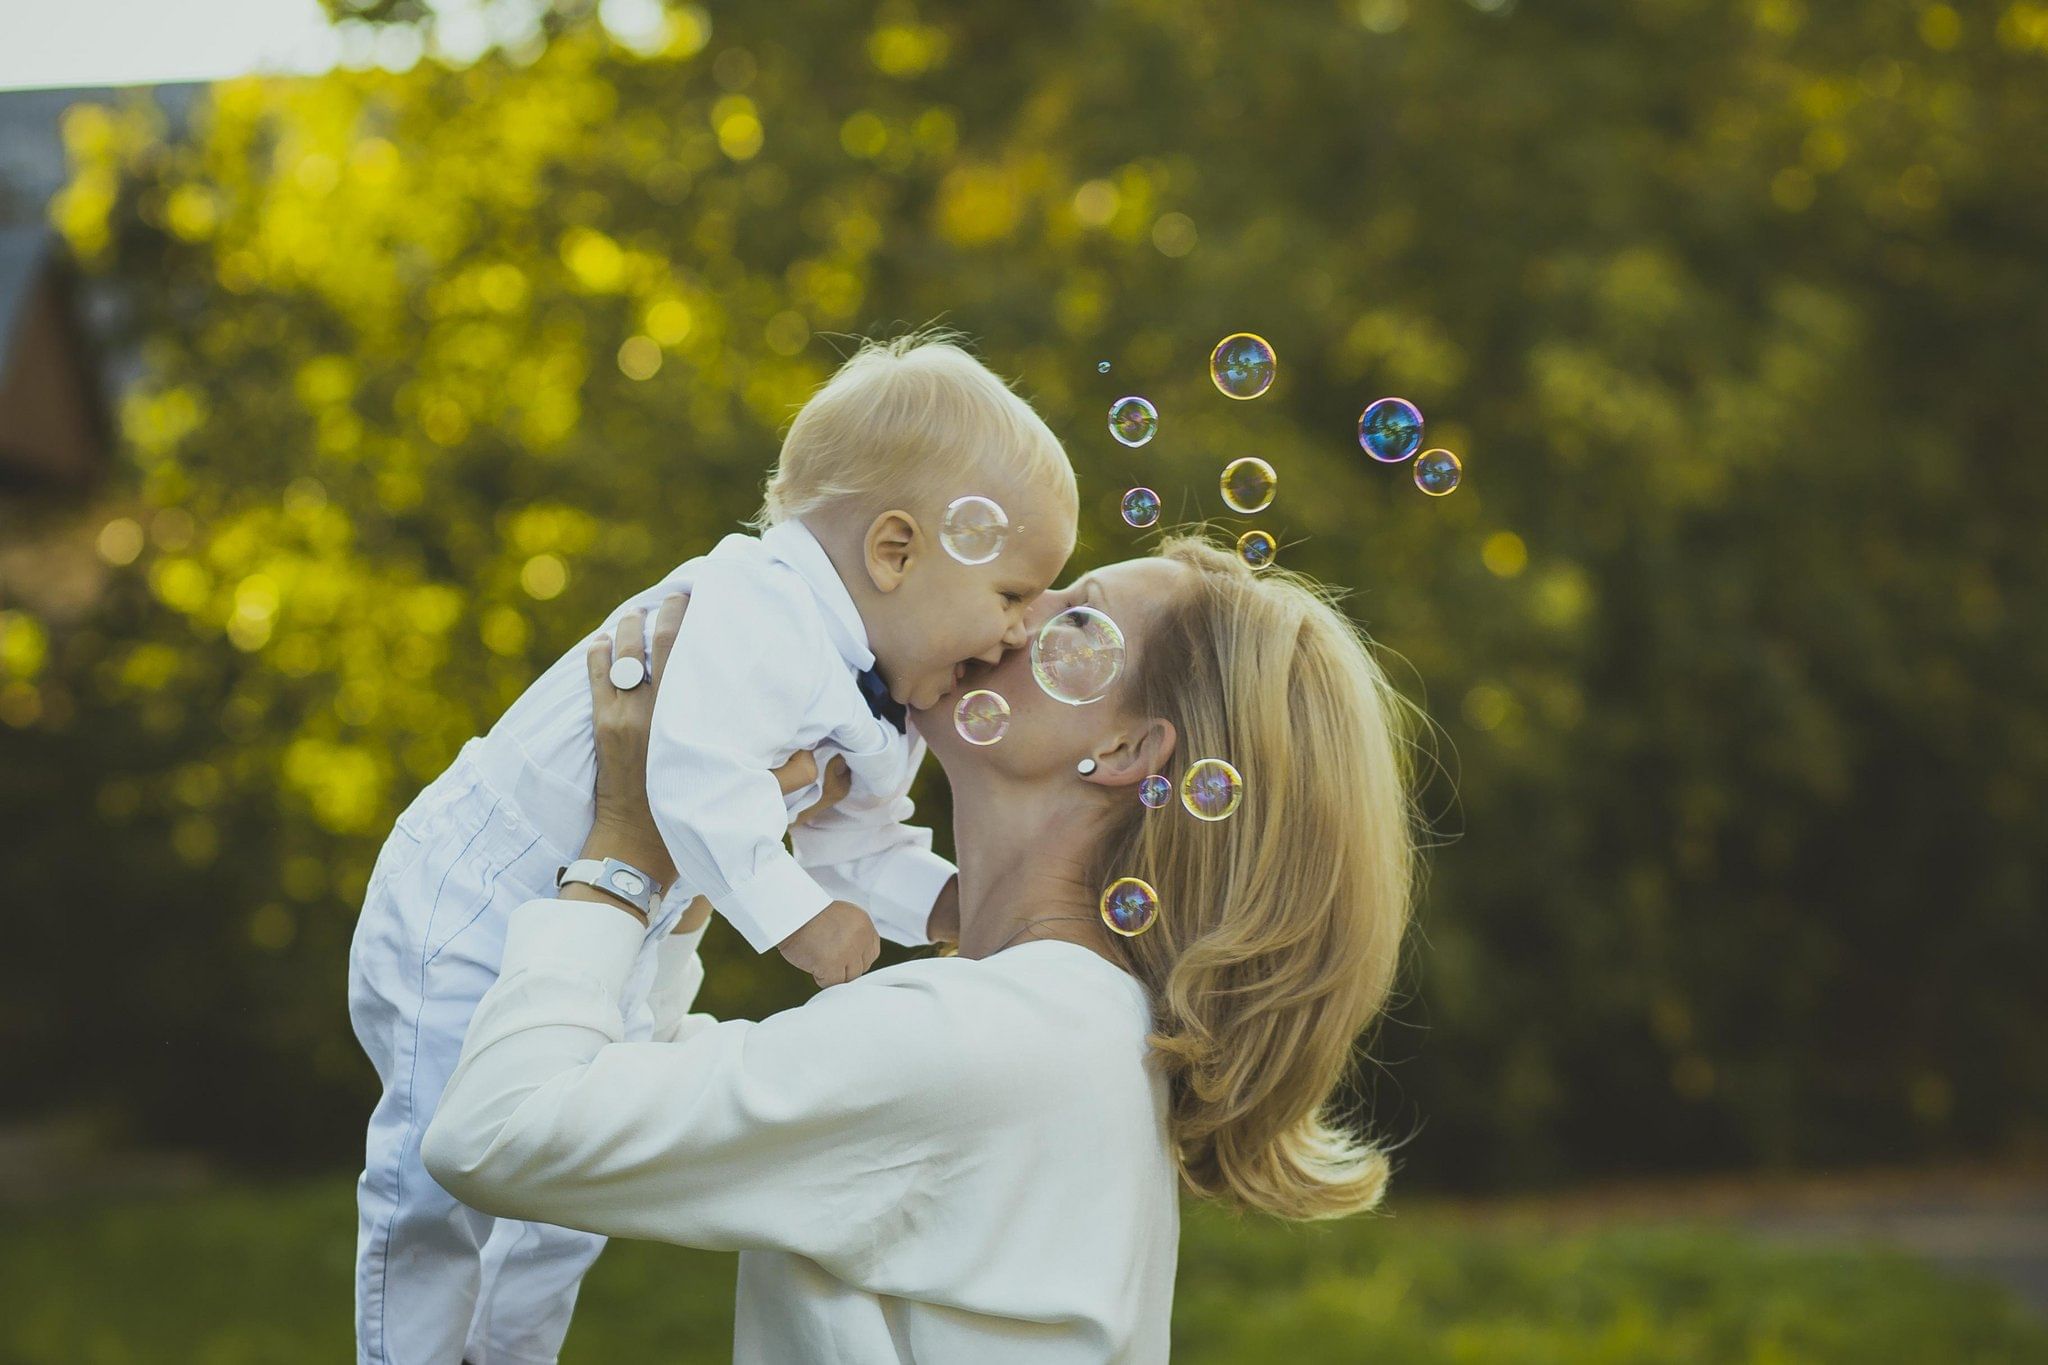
[
  {"x": 947, "y": 1160},
  {"x": 765, "y": 665}
]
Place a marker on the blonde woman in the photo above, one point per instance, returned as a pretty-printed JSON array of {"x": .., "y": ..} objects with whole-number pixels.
[{"x": 977, "y": 1157}]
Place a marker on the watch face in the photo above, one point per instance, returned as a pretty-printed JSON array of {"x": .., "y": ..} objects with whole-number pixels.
[{"x": 628, "y": 883}]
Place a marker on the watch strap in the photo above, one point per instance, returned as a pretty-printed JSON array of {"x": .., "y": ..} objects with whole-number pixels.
[{"x": 614, "y": 877}]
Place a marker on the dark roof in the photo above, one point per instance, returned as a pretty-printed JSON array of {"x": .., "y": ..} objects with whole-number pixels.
[{"x": 22, "y": 252}]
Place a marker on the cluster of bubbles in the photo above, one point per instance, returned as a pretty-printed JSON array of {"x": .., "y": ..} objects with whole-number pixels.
[
  {"x": 974, "y": 529},
  {"x": 1390, "y": 430}
]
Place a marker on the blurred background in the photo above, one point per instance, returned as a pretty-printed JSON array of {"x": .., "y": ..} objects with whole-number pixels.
[{"x": 336, "y": 400}]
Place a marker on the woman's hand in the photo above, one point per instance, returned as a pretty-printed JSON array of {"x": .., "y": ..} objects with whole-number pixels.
[{"x": 622, "y": 719}]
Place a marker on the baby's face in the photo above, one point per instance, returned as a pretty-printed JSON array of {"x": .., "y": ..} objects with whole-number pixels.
[{"x": 946, "y": 614}]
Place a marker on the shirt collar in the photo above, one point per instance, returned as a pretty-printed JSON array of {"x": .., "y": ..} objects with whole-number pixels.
[{"x": 792, "y": 543}]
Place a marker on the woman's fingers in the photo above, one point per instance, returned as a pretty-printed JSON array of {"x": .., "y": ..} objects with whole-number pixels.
[
  {"x": 667, "y": 622},
  {"x": 629, "y": 640},
  {"x": 798, "y": 773},
  {"x": 838, "y": 782}
]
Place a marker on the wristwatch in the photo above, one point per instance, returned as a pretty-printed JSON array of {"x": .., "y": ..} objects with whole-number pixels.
[{"x": 623, "y": 880}]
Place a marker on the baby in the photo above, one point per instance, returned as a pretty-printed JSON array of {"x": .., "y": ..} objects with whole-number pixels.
[{"x": 861, "y": 597}]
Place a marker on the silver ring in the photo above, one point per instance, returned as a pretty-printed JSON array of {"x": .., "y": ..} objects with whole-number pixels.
[{"x": 628, "y": 673}]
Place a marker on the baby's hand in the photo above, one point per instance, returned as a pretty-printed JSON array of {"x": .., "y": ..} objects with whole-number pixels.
[{"x": 836, "y": 944}]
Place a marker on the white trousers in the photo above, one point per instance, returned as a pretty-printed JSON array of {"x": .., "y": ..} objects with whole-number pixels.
[{"x": 437, "y": 1282}]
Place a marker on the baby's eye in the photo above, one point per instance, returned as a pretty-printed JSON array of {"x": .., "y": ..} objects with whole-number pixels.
[{"x": 1014, "y": 598}]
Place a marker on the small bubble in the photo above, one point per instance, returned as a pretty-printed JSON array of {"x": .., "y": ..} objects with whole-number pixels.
[
  {"x": 1256, "y": 548},
  {"x": 981, "y": 717},
  {"x": 1129, "y": 906},
  {"x": 1390, "y": 430},
  {"x": 974, "y": 529},
  {"x": 1154, "y": 792},
  {"x": 1133, "y": 420},
  {"x": 1077, "y": 655},
  {"x": 1242, "y": 365},
  {"x": 1437, "y": 472},
  {"x": 1102, "y": 367},
  {"x": 1211, "y": 789},
  {"x": 1248, "y": 485},
  {"x": 1141, "y": 507}
]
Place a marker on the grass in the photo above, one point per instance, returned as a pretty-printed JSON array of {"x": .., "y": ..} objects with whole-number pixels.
[{"x": 257, "y": 1275}]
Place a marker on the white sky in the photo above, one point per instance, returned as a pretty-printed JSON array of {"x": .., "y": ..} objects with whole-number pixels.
[{"x": 145, "y": 42}]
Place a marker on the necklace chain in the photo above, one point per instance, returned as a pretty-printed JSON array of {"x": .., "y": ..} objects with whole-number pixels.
[{"x": 1032, "y": 924}]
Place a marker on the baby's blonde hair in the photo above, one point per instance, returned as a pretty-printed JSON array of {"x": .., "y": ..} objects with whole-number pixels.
[
  {"x": 1280, "y": 928},
  {"x": 903, "y": 420}
]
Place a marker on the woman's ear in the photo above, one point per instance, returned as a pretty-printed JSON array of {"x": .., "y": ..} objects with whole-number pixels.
[
  {"x": 890, "y": 545},
  {"x": 1138, "y": 753}
]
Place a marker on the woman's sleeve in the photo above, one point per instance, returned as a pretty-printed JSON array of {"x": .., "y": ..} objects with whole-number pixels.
[
  {"x": 678, "y": 976},
  {"x": 814, "y": 1131}
]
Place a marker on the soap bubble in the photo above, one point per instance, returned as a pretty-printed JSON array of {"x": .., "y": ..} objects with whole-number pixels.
[
  {"x": 1248, "y": 485},
  {"x": 1129, "y": 906},
  {"x": 1256, "y": 548},
  {"x": 1102, "y": 367},
  {"x": 981, "y": 717},
  {"x": 1437, "y": 472},
  {"x": 1242, "y": 365},
  {"x": 974, "y": 529},
  {"x": 1133, "y": 421},
  {"x": 1390, "y": 430},
  {"x": 1077, "y": 655},
  {"x": 1211, "y": 789},
  {"x": 1141, "y": 507},
  {"x": 1154, "y": 792}
]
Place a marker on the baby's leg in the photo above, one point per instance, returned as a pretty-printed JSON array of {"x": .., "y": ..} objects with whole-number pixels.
[
  {"x": 425, "y": 951},
  {"x": 532, "y": 1271}
]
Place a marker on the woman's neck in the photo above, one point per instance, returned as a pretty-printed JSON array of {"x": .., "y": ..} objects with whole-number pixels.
[{"x": 1022, "y": 862}]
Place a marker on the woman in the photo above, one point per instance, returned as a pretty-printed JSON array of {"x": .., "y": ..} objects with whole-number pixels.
[{"x": 975, "y": 1157}]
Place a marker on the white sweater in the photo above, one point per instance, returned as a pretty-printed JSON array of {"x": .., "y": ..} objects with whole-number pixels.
[{"x": 948, "y": 1160}]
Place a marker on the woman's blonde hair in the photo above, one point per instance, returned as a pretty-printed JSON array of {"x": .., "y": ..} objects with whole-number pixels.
[
  {"x": 903, "y": 420},
  {"x": 1280, "y": 928}
]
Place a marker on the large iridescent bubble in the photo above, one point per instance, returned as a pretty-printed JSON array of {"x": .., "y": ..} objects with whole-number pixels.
[
  {"x": 1077, "y": 655},
  {"x": 974, "y": 529},
  {"x": 1133, "y": 420},
  {"x": 1248, "y": 485},
  {"x": 1437, "y": 472},
  {"x": 1141, "y": 508},
  {"x": 1242, "y": 365},
  {"x": 1129, "y": 906},
  {"x": 1211, "y": 789},
  {"x": 1257, "y": 548},
  {"x": 981, "y": 716},
  {"x": 1390, "y": 430}
]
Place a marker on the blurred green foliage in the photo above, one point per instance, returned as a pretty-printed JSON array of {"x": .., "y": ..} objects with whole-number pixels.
[
  {"x": 253, "y": 1276},
  {"x": 1736, "y": 313}
]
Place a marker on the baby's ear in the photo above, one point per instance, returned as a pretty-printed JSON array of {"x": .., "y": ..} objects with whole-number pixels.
[{"x": 890, "y": 544}]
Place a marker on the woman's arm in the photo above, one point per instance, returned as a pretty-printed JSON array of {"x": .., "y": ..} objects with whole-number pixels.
[
  {"x": 815, "y": 1131},
  {"x": 623, "y": 826}
]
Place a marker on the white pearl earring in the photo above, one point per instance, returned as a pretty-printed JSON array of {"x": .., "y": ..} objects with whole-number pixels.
[{"x": 1086, "y": 767}]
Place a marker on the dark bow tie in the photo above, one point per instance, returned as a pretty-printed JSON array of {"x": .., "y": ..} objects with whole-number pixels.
[{"x": 885, "y": 708}]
